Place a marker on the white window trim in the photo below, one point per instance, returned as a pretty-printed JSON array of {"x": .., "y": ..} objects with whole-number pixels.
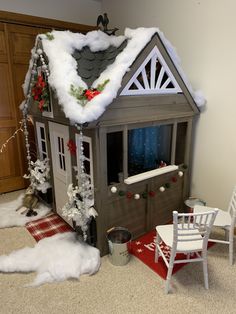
[
  {"x": 49, "y": 114},
  {"x": 150, "y": 174},
  {"x": 59, "y": 169},
  {"x": 39, "y": 139},
  {"x": 154, "y": 56}
]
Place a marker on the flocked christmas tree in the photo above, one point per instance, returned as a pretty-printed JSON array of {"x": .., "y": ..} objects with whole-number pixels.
[
  {"x": 80, "y": 198},
  {"x": 39, "y": 175}
]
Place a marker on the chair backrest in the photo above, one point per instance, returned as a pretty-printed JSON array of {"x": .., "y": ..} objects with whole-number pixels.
[
  {"x": 188, "y": 225},
  {"x": 232, "y": 204}
]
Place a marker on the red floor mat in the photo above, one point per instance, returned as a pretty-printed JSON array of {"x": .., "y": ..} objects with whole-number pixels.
[
  {"x": 48, "y": 226},
  {"x": 144, "y": 249}
]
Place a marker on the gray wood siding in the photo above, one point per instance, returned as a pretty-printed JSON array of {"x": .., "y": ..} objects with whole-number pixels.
[
  {"x": 142, "y": 215},
  {"x": 133, "y": 109},
  {"x": 164, "y": 203}
]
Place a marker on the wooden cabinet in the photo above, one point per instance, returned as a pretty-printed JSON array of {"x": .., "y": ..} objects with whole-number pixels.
[
  {"x": 16, "y": 44},
  {"x": 17, "y": 37}
]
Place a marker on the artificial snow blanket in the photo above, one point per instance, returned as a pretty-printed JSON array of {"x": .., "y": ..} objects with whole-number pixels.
[
  {"x": 63, "y": 68},
  {"x": 9, "y": 217},
  {"x": 56, "y": 258}
]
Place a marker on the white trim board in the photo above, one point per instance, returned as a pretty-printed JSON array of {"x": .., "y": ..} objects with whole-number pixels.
[{"x": 150, "y": 174}]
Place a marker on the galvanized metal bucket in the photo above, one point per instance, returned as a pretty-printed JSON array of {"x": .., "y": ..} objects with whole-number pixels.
[{"x": 119, "y": 239}]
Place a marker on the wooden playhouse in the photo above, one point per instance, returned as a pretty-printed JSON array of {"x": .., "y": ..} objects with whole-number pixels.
[{"x": 129, "y": 96}]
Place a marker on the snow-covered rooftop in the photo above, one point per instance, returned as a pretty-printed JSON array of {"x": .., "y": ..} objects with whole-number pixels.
[{"x": 63, "y": 67}]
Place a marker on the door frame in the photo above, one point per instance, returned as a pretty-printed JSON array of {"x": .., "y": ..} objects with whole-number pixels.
[{"x": 61, "y": 165}]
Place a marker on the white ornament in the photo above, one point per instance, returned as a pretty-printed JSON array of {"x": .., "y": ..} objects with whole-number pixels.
[
  {"x": 39, "y": 51},
  {"x": 162, "y": 189},
  {"x": 36, "y": 56},
  {"x": 113, "y": 189},
  {"x": 180, "y": 173},
  {"x": 136, "y": 196}
]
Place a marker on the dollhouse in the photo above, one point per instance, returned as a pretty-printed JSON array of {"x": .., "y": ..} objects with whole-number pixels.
[{"x": 122, "y": 103}]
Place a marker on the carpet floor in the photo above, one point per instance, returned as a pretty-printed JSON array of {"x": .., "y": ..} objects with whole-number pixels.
[{"x": 129, "y": 289}]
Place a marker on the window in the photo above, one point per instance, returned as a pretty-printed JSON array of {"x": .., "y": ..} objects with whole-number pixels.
[
  {"x": 180, "y": 143},
  {"x": 133, "y": 151},
  {"x": 61, "y": 153},
  {"x": 148, "y": 148},
  {"x": 115, "y": 157},
  {"x": 47, "y": 111},
  {"x": 41, "y": 138}
]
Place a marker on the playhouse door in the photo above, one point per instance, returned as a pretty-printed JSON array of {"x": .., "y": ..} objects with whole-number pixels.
[{"x": 61, "y": 163}]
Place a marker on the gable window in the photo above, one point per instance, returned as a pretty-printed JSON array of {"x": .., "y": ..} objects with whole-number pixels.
[
  {"x": 152, "y": 77},
  {"x": 46, "y": 94},
  {"x": 41, "y": 139},
  {"x": 47, "y": 112}
]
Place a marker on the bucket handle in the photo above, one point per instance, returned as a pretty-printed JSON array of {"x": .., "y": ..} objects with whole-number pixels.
[{"x": 109, "y": 230}]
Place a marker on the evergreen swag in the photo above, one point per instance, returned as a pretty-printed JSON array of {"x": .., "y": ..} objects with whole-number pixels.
[
  {"x": 40, "y": 92},
  {"x": 85, "y": 95},
  {"x": 49, "y": 36}
]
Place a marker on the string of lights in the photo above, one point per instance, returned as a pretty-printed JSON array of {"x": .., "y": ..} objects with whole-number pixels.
[{"x": 20, "y": 129}]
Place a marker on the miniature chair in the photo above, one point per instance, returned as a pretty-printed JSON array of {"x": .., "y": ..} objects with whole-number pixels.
[
  {"x": 188, "y": 234},
  {"x": 225, "y": 220}
]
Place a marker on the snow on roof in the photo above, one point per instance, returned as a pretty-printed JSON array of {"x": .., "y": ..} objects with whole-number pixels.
[{"x": 63, "y": 68}]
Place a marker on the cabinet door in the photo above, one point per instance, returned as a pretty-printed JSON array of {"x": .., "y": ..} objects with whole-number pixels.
[
  {"x": 10, "y": 157},
  {"x": 16, "y": 42}
]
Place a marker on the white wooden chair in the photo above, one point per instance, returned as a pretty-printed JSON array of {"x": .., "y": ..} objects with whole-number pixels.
[
  {"x": 225, "y": 220},
  {"x": 188, "y": 234}
]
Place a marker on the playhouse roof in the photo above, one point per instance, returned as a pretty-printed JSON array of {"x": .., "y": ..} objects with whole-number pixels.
[{"x": 88, "y": 61}]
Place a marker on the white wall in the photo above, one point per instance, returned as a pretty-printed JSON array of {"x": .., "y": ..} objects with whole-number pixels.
[
  {"x": 203, "y": 31},
  {"x": 76, "y": 11}
]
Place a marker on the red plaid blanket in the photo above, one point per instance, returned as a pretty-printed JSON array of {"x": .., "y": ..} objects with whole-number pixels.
[{"x": 47, "y": 226}]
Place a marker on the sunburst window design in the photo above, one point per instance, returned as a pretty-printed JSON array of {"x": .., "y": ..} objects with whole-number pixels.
[{"x": 152, "y": 77}]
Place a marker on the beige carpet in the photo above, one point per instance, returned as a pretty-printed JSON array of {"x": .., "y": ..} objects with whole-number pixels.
[{"x": 133, "y": 288}]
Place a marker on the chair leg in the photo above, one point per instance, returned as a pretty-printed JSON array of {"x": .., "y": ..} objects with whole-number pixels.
[
  {"x": 205, "y": 272},
  {"x": 158, "y": 239},
  {"x": 231, "y": 249},
  {"x": 169, "y": 273},
  {"x": 227, "y": 235}
]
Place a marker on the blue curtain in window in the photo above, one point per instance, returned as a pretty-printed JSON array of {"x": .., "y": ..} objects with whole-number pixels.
[{"x": 143, "y": 148}]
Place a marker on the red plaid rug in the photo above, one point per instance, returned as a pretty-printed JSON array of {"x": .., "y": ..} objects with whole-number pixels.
[
  {"x": 144, "y": 249},
  {"x": 47, "y": 226}
]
